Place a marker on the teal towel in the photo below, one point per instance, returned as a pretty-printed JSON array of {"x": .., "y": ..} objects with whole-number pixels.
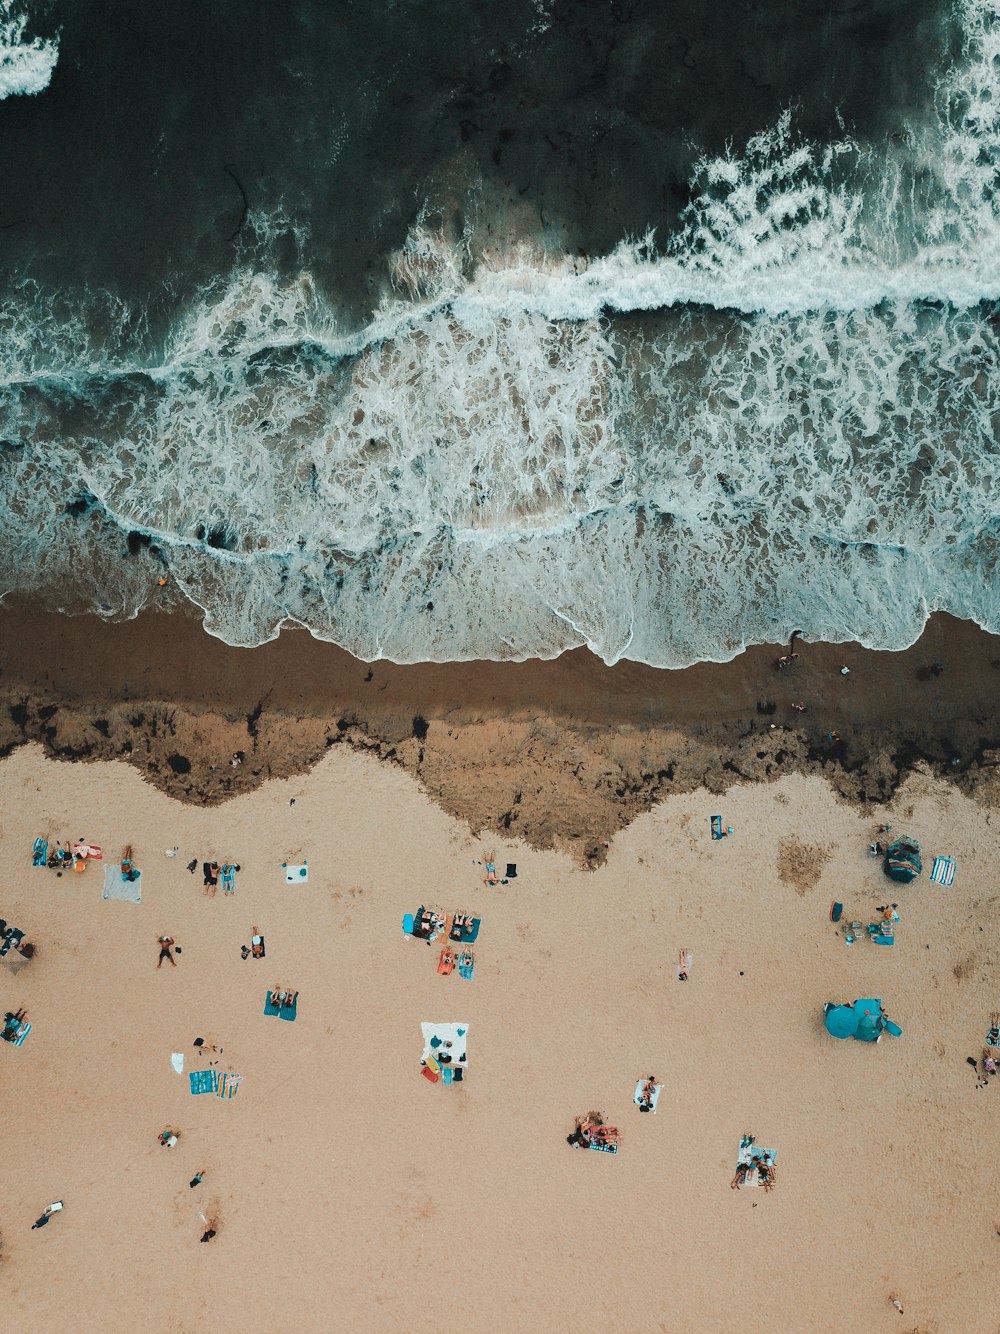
[{"x": 203, "y": 1081}]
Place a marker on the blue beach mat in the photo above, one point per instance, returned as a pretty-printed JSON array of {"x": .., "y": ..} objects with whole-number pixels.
[
  {"x": 203, "y": 1081},
  {"x": 19, "y": 1040},
  {"x": 227, "y": 877},
  {"x": 268, "y": 1007},
  {"x": 289, "y": 1012},
  {"x": 40, "y": 852},
  {"x": 467, "y": 969},
  {"x": 717, "y": 826}
]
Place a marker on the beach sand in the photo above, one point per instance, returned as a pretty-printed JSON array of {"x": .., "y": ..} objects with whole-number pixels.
[
  {"x": 562, "y": 754},
  {"x": 353, "y": 1195}
]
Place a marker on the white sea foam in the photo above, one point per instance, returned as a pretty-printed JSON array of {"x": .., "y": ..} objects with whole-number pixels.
[
  {"x": 785, "y": 417},
  {"x": 26, "y": 63}
]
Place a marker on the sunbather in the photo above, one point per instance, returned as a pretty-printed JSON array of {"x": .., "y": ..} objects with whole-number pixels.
[
  {"x": 277, "y": 997},
  {"x": 648, "y": 1092},
  {"x": 290, "y": 998},
  {"x": 683, "y": 965},
  {"x": 12, "y": 1024},
  {"x": 256, "y": 944},
  {"x": 993, "y": 1036},
  {"x": 742, "y": 1171},
  {"x": 491, "y": 870}
]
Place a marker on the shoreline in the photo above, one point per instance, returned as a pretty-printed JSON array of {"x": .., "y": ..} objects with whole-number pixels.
[{"x": 561, "y": 753}]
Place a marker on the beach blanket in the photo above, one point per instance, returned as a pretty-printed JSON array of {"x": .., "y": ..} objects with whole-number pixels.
[
  {"x": 203, "y": 1081},
  {"x": 295, "y": 874},
  {"x": 637, "y": 1097},
  {"x": 750, "y": 1155},
  {"x": 40, "y": 852},
  {"x": 227, "y": 876},
  {"x": 943, "y": 871},
  {"x": 22, "y": 1033},
  {"x": 716, "y": 822},
  {"x": 466, "y": 966},
  {"x": 444, "y": 1040},
  {"x": 177, "y": 1061},
  {"x": 289, "y": 1012},
  {"x": 228, "y": 1085},
  {"x": 117, "y": 887},
  {"x": 268, "y": 1007}
]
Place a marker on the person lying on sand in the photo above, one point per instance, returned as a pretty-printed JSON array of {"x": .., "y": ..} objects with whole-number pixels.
[
  {"x": 12, "y": 1024},
  {"x": 648, "y": 1091},
  {"x": 683, "y": 965},
  {"x": 290, "y": 998},
  {"x": 277, "y": 997}
]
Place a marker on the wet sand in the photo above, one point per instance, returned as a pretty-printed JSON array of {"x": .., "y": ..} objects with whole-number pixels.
[{"x": 563, "y": 754}]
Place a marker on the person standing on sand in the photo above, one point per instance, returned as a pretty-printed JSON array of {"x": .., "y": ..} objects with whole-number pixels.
[
  {"x": 165, "y": 943},
  {"x": 897, "y": 1304}
]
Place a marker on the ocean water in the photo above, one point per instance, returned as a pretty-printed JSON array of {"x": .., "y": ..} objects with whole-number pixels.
[{"x": 487, "y": 331}]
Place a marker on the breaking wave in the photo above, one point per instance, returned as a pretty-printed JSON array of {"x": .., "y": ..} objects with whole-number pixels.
[
  {"x": 26, "y": 63},
  {"x": 784, "y": 416}
]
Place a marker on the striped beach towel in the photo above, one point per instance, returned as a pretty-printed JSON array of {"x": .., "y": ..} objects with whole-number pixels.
[
  {"x": 229, "y": 1085},
  {"x": 943, "y": 871}
]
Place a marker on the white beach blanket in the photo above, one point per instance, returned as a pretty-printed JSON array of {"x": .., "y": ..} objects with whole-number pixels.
[
  {"x": 115, "y": 887},
  {"x": 637, "y": 1097},
  {"x": 295, "y": 874},
  {"x": 456, "y": 1034},
  {"x": 177, "y": 1061}
]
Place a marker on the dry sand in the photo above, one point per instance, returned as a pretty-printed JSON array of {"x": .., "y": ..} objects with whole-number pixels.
[{"x": 352, "y": 1195}]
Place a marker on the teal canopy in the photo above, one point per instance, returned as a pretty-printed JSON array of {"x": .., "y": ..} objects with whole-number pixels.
[
  {"x": 869, "y": 1013},
  {"x": 841, "y": 1021}
]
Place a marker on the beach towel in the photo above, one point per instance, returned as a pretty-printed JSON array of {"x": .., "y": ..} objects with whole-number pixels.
[
  {"x": 943, "y": 871},
  {"x": 289, "y": 1012},
  {"x": 40, "y": 852},
  {"x": 637, "y": 1097},
  {"x": 203, "y": 1081},
  {"x": 447, "y": 1075},
  {"x": 228, "y": 1085},
  {"x": 408, "y": 923},
  {"x": 446, "y": 962},
  {"x": 227, "y": 876},
  {"x": 717, "y": 830},
  {"x": 296, "y": 874},
  {"x": 836, "y": 911},
  {"x": 444, "y": 1040},
  {"x": 750, "y": 1155},
  {"x": 116, "y": 887},
  {"x": 429, "y": 1075},
  {"x": 22, "y": 1033},
  {"x": 268, "y": 1007},
  {"x": 177, "y": 1061},
  {"x": 466, "y": 966},
  {"x": 604, "y": 1145},
  {"x": 88, "y": 850},
  {"x": 462, "y": 932}
]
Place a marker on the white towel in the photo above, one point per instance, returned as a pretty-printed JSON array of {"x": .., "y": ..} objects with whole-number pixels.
[{"x": 177, "y": 1061}]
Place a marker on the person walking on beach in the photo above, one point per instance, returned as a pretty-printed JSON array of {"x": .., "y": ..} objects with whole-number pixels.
[
  {"x": 50, "y": 1209},
  {"x": 165, "y": 943},
  {"x": 897, "y": 1304},
  {"x": 197, "y": 1179}
]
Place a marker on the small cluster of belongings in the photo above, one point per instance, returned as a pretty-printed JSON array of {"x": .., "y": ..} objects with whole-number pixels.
[
  {"x": 754, "y": 1165},
  {"x": 592, "y": 1132},
  {"x": 64, "y": 856},
  {"x": 902, "y": 859},
  {"x": 445, "y": 1052}
]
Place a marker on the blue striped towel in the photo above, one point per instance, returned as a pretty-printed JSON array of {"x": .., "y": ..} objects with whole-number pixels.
[
  {"x": 204, "y": 1081},
  {"x": 943, "y": 872}
]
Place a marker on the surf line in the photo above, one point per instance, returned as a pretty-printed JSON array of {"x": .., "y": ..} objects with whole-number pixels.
[{"x": 246, "y": 203}]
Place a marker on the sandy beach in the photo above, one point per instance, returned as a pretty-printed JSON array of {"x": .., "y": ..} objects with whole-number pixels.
[{"x": 349, "y": 1193}]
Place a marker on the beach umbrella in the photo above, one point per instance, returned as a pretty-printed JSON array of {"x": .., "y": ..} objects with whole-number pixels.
[
  {"x": 869, "y": 1012},
  {"x": 841, "y": 1021}
]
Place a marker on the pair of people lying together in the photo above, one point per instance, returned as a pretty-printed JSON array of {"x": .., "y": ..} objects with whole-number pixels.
[{"x": 282, "y": 999}]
